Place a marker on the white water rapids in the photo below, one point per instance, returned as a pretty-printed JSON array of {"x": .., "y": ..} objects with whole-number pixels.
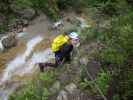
[{"x": 23, "y": 65}]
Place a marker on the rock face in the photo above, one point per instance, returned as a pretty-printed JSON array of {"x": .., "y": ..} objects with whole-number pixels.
[
  {"x": 1, "y": 46},
  {"x": 18, "y": 25},
  {"x": 8, "y": 41}
]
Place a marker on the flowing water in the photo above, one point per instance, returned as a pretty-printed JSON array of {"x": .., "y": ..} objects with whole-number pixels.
[
  {"x": 25, "y": 63},
  {"x": 22, "y": 65},
  {"x": 20, "y": 59}
]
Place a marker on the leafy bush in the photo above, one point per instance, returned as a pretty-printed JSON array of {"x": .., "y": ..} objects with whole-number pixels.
[
  {"x": 47, "y": 6},
  {"x": 23, "y": 3},
  {"x": 111, "y": 55},
  {"x": 119, "y": 50},
  {"x": 102, "y": 81},
  {"x": 37, "y": 89}
]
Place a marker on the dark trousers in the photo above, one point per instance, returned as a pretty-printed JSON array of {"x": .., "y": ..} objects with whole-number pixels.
[{"x": 61, "y": 56}]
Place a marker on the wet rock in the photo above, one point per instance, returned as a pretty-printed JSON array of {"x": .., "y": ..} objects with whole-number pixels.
[
  {"x": 71, "y": 88},
  {"x": 62, "y": 95},
  {"x": 58, "y": 24},
  {"x": 1, "y": 46},
  {"x": 25, "y": 22},
  {"x": 55, "y": 88},
  {"x": 9, "y": 41},
  {"x": 18, "y": 25}
]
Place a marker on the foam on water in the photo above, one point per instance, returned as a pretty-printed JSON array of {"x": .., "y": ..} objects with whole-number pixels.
[
  {"x": 20, "y": 59},
  {"x": 21, "y": 67},
  {"x": 42, "y": 56},
  {"x": 21, "y": 34},
  {"x": 30, "y": 45},
  {"x": 1, "y": 46}
]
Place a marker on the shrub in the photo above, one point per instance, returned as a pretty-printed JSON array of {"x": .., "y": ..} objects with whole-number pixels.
[
  {"x": 102, "y": 81},
  {"x": 37, "y": 89},
  {"x": 47, "y": 6},
  {"x": 119, "y": 51}
]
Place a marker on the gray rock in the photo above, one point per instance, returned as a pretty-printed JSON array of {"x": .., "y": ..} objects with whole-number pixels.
[
  {"x": 25, "y": 22},
  {"x": 1, "y": 46},
  {"x": 9, "y": 41},
  {"x": 83, "y": 61},
  {"x": 55, "y": 88},
  {"x": 71, "y": 88},
  {"x": 62, "y": 95}
]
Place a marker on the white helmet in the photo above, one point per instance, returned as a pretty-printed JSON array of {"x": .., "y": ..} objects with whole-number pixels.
[{"x": 73, "y": 35}]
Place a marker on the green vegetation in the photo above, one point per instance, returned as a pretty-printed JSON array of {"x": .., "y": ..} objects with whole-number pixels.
[
  {"x": 117, "y": 52},
  {"x": 37, "y": 90},
  {"x": 117, "y": 39},
  {"x": 102, "y": 82}
]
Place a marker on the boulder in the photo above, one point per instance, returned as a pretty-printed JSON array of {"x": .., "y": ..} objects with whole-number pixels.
[
  {"x": 18, "y": 25},
  {"x": 25, "y": 22},
  {"x": 9, "y": 41},
  {"x": 1, "y": 46},
  {"x": 71, "y": 88}
]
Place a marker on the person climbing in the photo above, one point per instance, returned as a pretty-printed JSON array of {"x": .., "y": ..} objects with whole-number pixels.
[{"x": 62, "y": 47}]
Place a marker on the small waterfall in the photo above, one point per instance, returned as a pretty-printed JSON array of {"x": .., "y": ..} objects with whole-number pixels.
[
  {"x": 20, "y": 59},
  {"x": 42, "y": 56},
  {"x": 21, "y": 66}
]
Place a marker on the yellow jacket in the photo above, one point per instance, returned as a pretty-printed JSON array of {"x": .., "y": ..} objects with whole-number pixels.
[{"x": 58, "y": 42}]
